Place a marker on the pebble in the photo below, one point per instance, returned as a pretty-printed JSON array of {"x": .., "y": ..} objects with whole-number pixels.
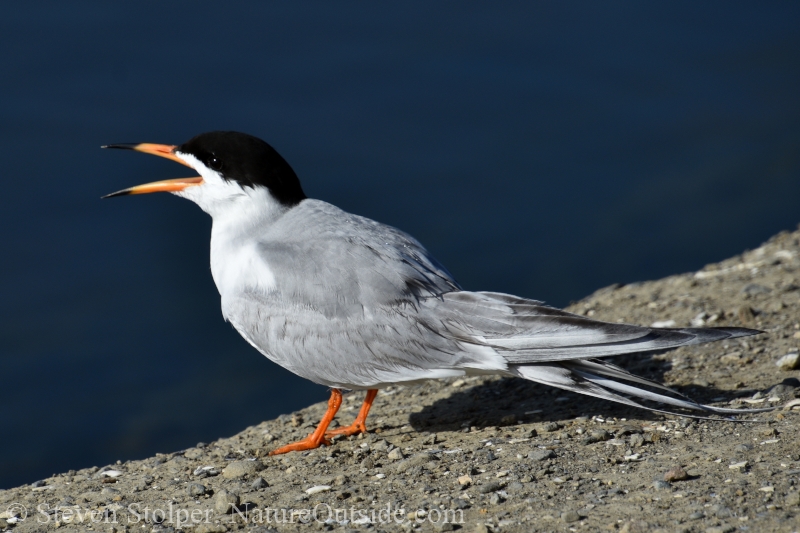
[
  {"x": 195, "y": 489},
  {"x": 541, "y": 455},
  {"x": 597, "y": 435},
  {"x": 317, "y": 489},
  {"x": 465, "y": 481},
  {"x": 259, "y": 483},
  {"x": 790, "y": 361},
  {"x": 792, "y": 499},
  {"x": 570, "y": 516},
  {"x": 491, "y": 486},
  {"x": 676, "y": 474},
  {"x": 396, "y": 454},
  {"x": 411, "y": 462},
  {"x": 193, "y": 453},
  {"x": 742, "y": 448},
  {"x": 239, "y": 469},
  {"x": 496, "y": 499},
  {"x": 752, "y": 289},
  {"x": 661, "y": 485},
  {"x": 636, "y": 440},
  {"x": 550, "y": 427},
  {"x": 634, "y": 526},
  {"x": 484, "y": 456},
  {"x": 224, "y": 501}
]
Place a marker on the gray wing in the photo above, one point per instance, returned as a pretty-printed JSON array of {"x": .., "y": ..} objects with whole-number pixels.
[{"x": 339, "y": 264}]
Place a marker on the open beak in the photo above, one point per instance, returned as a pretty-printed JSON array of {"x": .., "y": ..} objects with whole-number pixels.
[{"x": 162, "y": 150}]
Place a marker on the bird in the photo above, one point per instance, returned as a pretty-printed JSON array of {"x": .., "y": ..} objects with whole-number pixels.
[{"x": 354, "y": 304}]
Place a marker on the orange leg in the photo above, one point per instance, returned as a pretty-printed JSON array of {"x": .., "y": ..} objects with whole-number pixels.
[
  {"x": 318, "y": 438},
  {"x": 359, "y": 424}
]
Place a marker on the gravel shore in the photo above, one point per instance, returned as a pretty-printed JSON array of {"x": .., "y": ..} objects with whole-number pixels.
[{"x": 492, "y": 454}]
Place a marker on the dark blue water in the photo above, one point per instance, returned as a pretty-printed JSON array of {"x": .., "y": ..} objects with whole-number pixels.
[{"x": 539, "y": 149}]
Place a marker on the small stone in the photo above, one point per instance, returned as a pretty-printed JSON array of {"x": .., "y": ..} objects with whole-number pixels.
[
  {"x": 445, "y": 526},
  {"x": 396, "y": 454},
  {"x": 634, "y": 526},
  {"x": 792, "y": 499},
  {"x": 491, "y": 486},
  {"x": 661, "y": 485},
  {"x": 341, "y": 479},
  {"x": 431, "y": 439},
  {"x": 380, "y": 445},
  {"x": 636, "y": 440},
  {"x": 297, "y": 420},
  {"x": 3, "y": 524},
  {"x": 195, "y": 489},
  {"x": 720, "y": 529},
  {"x": 515, "y": 486},
  {"x": 541, "y": 455},
  {"x": 723, "y": 512},
  {"x": 484, "y": 456},
  {"x": 37, "y": 484},
  {"x": 368, "y": 463},
  {"x": 570, "y": 516},
  {"x": 550, "y": 427},
  {"x": 597, "y": 435},
  {"x": 465, "y": 481},
  {"x": 496, "y": 499},
  {"x": 225, "y": 501},
  {"x": 676, "y": 474},
  {"x": 193, "y": 453},
  {"x": 697, "y": 515},
  {"x": 317, "y": 489},
  {"x": 259, "y": 483},
  {"x": 742, "y": 448},
  {"x": 752, "y": 289},
  {"x": 790, "y": 361},
  {"x": 411, "y": 462},
  {"x": 239, "y": 469}
]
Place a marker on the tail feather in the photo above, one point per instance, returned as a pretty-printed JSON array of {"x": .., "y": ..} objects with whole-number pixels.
[
  {"x": 575, "y": 376},
  {"x": 561, "y": 349}
]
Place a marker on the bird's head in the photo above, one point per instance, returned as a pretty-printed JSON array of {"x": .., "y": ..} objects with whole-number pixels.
[{"x": 234, "y": 168}]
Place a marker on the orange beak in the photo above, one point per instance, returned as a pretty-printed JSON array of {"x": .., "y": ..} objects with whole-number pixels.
[{"x": 162, "y": 150}]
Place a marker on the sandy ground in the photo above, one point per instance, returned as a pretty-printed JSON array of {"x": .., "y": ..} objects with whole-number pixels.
[{"x": 491, "y": 454}]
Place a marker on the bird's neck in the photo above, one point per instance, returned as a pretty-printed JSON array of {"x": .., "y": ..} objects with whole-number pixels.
[
  {"x": 246, "y": 214},
  {"x": 235, "y": 235}
]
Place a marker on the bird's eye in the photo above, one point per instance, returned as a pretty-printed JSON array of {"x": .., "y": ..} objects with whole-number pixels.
[{"x": 215, "y": 163}]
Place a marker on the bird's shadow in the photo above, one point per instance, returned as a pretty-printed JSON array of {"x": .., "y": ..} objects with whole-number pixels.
[{"x": 509, "y": 401}]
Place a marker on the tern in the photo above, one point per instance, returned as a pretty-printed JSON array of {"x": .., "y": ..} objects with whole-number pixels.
[{"x": 353, "y": 304}]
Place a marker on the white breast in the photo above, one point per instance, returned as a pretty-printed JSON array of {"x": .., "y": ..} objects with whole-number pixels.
[{"x": 237, "y": 267}]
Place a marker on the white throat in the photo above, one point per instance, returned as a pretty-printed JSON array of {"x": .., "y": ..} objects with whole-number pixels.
[{"x": 240, "y": 215}]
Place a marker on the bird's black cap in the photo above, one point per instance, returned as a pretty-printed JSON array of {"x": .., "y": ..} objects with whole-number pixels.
[{"x": 247, "y": 160}]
